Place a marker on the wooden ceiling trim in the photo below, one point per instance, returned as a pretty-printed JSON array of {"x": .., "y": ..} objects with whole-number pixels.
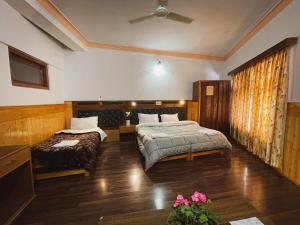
[
  {"x": 155, "y": 51},
  {"x": 259, "y": 26},
  {"x": 281, "y": 45},
  {"x": 56, "y": 13},
  {"x": 61, "y": 18}
]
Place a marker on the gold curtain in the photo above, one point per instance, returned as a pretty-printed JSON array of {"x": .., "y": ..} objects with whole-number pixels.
[{"x": 258, "y": 107}]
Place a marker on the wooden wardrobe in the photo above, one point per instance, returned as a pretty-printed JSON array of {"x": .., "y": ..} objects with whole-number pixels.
[{"x": 214, "y": 103}]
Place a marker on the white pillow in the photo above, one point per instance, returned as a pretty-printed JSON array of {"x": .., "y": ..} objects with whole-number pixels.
[
  {"x": 84, "y": 123},
  {"x": 148, "y": 118},
  {"x": 169, "y": 117}
]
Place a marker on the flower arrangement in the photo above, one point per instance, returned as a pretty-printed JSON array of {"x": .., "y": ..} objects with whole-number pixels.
[
  {"x": 127, "y": 118},
  {"x": 194, "y": 211},
  {"x": 127, "y": 115}
]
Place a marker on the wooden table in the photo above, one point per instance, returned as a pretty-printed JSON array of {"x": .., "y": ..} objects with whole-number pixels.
[
  {"x": 127, "y": 133},
  {"x": 16, "y": 181},
  {"x": 234, "y": 208}
]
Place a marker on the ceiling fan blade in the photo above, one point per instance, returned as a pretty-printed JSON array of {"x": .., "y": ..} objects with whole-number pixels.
[
  {"x": 142, "y": 18},
  {"x": 179, "y": 18},
  {"x": 163, "y": 3}
]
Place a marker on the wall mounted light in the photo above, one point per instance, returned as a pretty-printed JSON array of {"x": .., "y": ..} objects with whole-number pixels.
[
  {"x": 181, "y": 102},
  {"x": 158, "y": 68},
  {"x": 133, "y": 104}
]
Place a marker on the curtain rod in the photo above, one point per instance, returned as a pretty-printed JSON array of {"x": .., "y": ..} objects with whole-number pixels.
[{"x": 281, "y": 45}]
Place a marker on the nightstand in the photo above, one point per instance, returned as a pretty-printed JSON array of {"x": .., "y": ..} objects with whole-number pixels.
[
  {"x": 16, "y": 181},
  {"x": 127, "y": 133}
]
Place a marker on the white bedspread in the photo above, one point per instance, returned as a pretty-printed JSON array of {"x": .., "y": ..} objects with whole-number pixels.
[{"x": 160, "y": 140}]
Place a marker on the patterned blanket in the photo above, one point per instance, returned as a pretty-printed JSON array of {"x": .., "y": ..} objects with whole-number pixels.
[
  {"x": 81, "y": 155},
  {"x": 160, "y": 140}
]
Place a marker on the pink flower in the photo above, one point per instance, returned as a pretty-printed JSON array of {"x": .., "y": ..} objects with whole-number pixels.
[
  {"x": 194, "y": 198},
  {"x": 202, "y": 197},
  {"x": 180, "y": 200},
  {"x": 186, "y": 202},
  {"x": 198, "y": 196}
]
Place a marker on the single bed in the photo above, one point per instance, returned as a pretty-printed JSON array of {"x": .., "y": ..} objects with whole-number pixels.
[
  {"x": 67, "y": 159},
  {"x": 182, "y": 139}
]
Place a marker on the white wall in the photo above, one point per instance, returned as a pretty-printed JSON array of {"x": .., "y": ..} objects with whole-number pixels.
[
  {"x": 17, "y": 32},
  {"x": 117, "y": 75},
  {"x": 286, "y": 24}
]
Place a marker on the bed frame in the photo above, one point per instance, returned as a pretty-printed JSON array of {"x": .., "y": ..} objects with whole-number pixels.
[
  {"x": 55, "y": 174},
  {"x": 174, "y": 157},
  {"x": 208, "y": 152},
  {"x": 191, "y": 155},
  {"x": 59, "y": 173}
]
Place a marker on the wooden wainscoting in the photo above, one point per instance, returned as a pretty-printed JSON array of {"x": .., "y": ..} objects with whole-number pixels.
[
  {"x": 22, "y": 125},
  {"x": 193, "y": 111},
  {"x": 291, "y": 154}
]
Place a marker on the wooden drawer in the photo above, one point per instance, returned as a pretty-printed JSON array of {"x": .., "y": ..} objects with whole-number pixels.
[
  {"x": 127, "y": 129},
  {"x": 112, "y": 135},
  {"x": 13, "y": 161}
]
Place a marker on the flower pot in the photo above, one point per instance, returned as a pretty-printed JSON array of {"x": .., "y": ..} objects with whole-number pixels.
[{"x": 127, "y": 122}]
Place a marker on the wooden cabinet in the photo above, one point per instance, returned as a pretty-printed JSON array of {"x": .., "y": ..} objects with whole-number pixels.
[
  {"x": 214, "y": 103},
  {"x": 127, "y": 133},
  {"x": 16, "y": 181}
]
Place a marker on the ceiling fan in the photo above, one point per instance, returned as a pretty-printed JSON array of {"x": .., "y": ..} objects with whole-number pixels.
[{"x": 162, "y": 12}]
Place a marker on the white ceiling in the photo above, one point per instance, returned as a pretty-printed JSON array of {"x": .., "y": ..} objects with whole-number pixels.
[{"x": 217, "y": 25}]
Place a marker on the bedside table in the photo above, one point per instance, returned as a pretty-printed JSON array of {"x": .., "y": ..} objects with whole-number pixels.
[
  {"x": 16, "y": 181},
  {"x": 127, "y": 133}
]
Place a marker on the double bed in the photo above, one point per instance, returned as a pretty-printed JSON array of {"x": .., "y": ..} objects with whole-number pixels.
[{"x": 180, "y": 139}]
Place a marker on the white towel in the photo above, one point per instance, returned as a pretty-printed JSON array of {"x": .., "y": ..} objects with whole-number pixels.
[
  {"x": 158, "y": 135},
  {"x": 66, "y": 143},
  {"x": 249, "y": 221}
]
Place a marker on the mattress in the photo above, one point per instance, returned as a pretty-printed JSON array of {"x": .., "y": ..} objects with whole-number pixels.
[
  {"x": 81, "y": 155},
  {"x": 160, "y": 140}
]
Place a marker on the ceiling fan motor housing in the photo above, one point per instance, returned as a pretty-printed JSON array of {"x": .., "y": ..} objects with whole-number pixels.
[{"x": 161, "y": 11}]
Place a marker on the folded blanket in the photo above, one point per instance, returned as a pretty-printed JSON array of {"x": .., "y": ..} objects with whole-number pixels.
[
  {"x": 158, "y": 135},
  {"x": 66, "y": 143}
]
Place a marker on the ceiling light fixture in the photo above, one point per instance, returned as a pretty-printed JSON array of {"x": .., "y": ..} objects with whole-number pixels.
[{"x": 158, "y": 68}]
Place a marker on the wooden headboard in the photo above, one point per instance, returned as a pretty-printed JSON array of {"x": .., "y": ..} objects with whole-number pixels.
[{"x": 111, "y": 113}]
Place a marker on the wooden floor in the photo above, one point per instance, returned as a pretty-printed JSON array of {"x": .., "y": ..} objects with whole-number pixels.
[{"x": 120, "y": 186}]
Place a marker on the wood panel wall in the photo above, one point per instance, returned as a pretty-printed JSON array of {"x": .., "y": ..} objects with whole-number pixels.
[
  {"x": 192, "y": 111},
  {"x": 291, "y": 151},
  {"x": 21, "y": 125}
]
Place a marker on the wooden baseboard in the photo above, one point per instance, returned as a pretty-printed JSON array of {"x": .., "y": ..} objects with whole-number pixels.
[{"x": 63, "y": 173}]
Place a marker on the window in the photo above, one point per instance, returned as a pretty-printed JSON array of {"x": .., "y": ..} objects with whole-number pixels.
[{"x": 27, "y": 71}]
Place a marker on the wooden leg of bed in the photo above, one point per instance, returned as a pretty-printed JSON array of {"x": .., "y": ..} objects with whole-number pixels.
[
  {"x": 188, "y": 157},
  {"x": 191, "y": 157}
]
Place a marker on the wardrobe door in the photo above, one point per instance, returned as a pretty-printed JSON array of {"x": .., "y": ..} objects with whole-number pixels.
[
  {"x": 209, "y": 104},
  {"x": 223, "y": 106}
]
